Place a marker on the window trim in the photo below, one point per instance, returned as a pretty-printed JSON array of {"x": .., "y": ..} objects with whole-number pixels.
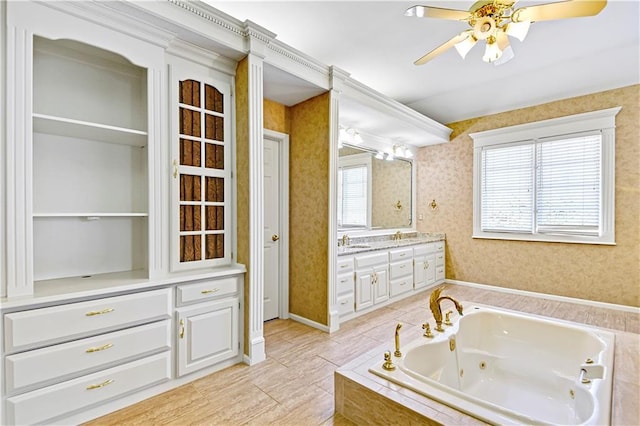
[{"x": 601, "y": 120}]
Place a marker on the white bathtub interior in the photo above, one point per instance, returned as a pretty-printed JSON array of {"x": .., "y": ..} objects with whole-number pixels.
[{"x": 509, "y": 367}]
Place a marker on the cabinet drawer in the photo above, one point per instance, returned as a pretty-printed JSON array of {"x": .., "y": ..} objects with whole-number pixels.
[
  {"x": 344, "y": 284},
  {"x": 74, "y": 395},
  {"x": 41, "y": 327},
  {"x": 440, "y": 246},
  {"x": 424, "y": 249},
  {"x": 401, "y": 269},
  {"x": 45, "y": 366},
  {"x": 206, "y": 290},
  {"x": 364, "y": 261},
  {"x": 440, "y": 258},
  {"x": 400, "y": 254},
  {"x": 401, "y": 286},
  {"x": 345, "y": 265},
  {"x": 346, "y": 304},
  {"x": 439, "y": 273}
]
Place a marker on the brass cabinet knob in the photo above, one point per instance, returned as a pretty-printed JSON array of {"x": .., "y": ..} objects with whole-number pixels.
[{"x": 275, "y": 237}]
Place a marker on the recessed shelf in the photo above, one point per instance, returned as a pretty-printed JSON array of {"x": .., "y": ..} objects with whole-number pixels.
[{"x": 50, "y": 124}]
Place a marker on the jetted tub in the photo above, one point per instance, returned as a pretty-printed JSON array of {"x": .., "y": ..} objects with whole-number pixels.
[{"x": 507, "y": 367}]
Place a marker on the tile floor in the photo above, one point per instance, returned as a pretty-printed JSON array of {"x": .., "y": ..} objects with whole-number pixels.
[{"x": 294, "y": 386}]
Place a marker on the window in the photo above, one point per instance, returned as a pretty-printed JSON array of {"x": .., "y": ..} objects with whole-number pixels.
[
  {"x": 547, "y": 181},
  {"x": 354, "y": 191}
]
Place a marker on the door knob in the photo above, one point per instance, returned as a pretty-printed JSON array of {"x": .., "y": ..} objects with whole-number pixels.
[{"x": 275, "y": 237}]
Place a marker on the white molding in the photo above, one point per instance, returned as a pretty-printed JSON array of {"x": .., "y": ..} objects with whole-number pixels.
[
  {"x": 333, "y": 318},
  {"x": 199, "y": 55},
  {"x": 567, "y": 299},
  {"x": 594, "y": 120},
  {"x": 256, "y": 210},
  {"x": 283, "y": 253},
  {"x": 310, "y": 323}
]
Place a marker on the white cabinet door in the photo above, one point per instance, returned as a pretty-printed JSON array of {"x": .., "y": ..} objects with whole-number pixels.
[
  {"x": 424, "y": 270},
  {"x": 364, "y": 289},
  {"x": 207, "y": 334},
  {"x": 381, "y": 284}
]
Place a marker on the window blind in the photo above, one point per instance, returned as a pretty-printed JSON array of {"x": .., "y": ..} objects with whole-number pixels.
[
  {"x": 507, "y": 189},
  {"x": 568, "y": 185},
  {"x": 352, "y": 209}
]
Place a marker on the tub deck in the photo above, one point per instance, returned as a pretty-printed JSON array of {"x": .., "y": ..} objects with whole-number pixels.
[{"x": 368, "y": 399}]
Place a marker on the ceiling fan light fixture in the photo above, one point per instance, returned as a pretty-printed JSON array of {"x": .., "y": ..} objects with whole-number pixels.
[
  {"x": 518, "y": 30},
  {"x": 484, "y": 28},
  {"x": 507, "y": 55},
  {"x": 492, "y": 52},
  {"x": 466, "y": 45}
]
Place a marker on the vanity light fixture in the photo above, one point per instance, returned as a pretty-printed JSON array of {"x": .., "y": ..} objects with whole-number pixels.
[
  {"x": 349, "y": 135},
  {"x": 402, "y": 151},
  {"x": 380, "y": 155}
]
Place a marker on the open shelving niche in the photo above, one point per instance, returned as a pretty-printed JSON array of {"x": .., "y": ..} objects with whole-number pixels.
[{"x": 90, "y": 165}]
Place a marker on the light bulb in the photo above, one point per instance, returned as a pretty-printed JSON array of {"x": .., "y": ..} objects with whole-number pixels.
[
  {"x": 465, "y": 45},
  {"x": 380, "y": 155},
  {"x": 518, "y": 30},
  {"x": 389, "y": 157},
  {"x": 357, "y": 138},
  {"x": 408, "y": 153},
  {"x": 492, "y": 52}
]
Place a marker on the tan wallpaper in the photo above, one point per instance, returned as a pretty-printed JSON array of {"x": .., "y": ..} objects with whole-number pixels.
[
  {"x": 391, "y": 184},
  {"x": 277, "y": 117},
  {"x": 594, "y": 272},
  {"x": 242, "y": 181},
  {"x": 308, "y": 209}
]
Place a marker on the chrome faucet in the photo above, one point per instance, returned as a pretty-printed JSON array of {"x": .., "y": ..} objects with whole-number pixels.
[
  {"x": 434, "y": 304},
  {"x": 345, "y": 240}
]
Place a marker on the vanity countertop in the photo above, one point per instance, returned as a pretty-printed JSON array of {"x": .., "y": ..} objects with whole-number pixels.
[{"x": 367, "y": 244}]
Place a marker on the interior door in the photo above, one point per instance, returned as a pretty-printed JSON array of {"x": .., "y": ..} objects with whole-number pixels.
[{"x": 272, "y": 276}]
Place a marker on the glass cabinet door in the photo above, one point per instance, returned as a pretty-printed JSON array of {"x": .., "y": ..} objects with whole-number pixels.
[{"x": 201, "y": 174}]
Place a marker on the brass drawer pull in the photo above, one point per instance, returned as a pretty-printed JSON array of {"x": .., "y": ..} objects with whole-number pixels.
[
  {"x": 182, "y": 329},
  {"x": 344, "y": 302},
  {"x": 99, "y": 348},
  {"x": 101, "y": 385},
  {"x": 104, "y": 311},
  {"x": 210, "y": 291},
  {"x": 346, "y": 265},
  {"x": 402, "y": 254}
]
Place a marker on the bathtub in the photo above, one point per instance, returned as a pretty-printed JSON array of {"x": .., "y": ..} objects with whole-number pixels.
[{"x": 507, "y": 367}]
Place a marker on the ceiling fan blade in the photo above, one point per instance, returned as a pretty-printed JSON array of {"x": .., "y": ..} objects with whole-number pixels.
[
  {"x": 437, "y": 12},
  {"x": 443, "y": 48},
  {"x": 560, "y": 10}
]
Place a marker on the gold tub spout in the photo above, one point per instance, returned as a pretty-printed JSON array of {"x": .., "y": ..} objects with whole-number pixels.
[
  {"x": 434, "y": 303},
  {"x": 397, "y": 352}
]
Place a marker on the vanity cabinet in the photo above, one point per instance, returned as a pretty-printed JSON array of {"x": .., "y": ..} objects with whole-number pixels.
[
  {"x": 400, "y": 270},
  {"x": 371, "y": 279},
  {"x": 63, "y": 359},
  {"x": 207, "y": 322},
  {"x": 424, "y": 266},
  {"x": 345, "y": 285},
  {"x": 440, "y": 257}
]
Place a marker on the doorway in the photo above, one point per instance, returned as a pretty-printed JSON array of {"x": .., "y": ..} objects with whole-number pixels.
[{"x": 276, "y": 225}]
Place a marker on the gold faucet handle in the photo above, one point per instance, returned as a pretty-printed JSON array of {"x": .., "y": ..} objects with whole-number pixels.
[
  {"x": 447, "y": 318},
  {"x": 388, "y": 364},
  {"x": 427, "y": 330}
]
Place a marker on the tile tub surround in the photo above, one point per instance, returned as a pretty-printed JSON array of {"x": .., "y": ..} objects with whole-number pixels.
[{"x": 295, "y": 385}]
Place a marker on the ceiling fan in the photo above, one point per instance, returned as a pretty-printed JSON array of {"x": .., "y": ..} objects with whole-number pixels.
[{"x": 495, "y": 20}]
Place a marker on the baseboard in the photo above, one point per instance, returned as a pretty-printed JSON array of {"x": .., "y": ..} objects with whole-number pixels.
[
  {"x": 614, "y": 306},
  {"x": 308, "y": 322}
]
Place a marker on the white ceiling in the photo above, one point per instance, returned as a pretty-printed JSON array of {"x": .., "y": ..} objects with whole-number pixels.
[{"x": 377, "y": 45}]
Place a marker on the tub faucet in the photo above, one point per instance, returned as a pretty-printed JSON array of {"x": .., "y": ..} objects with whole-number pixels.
[{"x": 434, "y": 303}]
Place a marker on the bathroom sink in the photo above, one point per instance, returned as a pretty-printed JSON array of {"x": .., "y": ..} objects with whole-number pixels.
[{"x": 360, "y": 246}]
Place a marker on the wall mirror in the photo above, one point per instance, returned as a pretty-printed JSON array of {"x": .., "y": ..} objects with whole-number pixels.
[{"x": 374, "y": 193}]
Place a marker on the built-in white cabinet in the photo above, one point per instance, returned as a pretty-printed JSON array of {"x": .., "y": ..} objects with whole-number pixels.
[
  {"x": 371, "y": 279},
  {"x": 208, "y": 327},
  {"x": 65, "y": 358},
  {"x": 201, "y": 167}
]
